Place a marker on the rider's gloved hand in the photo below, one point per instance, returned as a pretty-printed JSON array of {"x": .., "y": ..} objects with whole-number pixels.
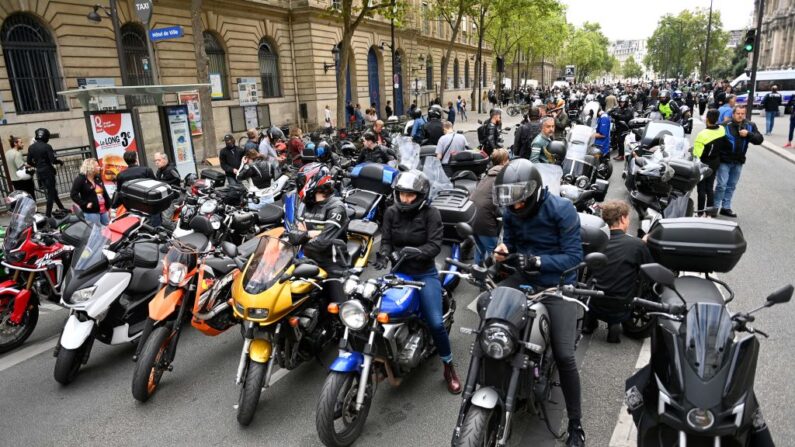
[
  {"x": 380, "y": 261},
  {"x": 394, "y": 257},
  {"x": 297, "y": 237}
]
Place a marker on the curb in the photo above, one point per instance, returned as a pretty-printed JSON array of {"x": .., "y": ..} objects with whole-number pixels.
[{"x": 778, "y": 150}]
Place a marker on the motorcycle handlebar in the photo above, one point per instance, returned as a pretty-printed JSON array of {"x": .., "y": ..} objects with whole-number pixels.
[
  {"x": 148, "y": 228},
  {"x": 461, "y": 265},
  {"x": 589, "y": 292},
  {"x": 674, "y": 309}
]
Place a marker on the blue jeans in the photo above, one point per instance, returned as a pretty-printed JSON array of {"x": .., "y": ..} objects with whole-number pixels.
[
  {"x": 432, "y": 312},
  {"x": 727, "y": 178},
  {"x": 486, "y": 245},
  {"x": 770, "y": 116},
  {"x": 97, "y": 218}
]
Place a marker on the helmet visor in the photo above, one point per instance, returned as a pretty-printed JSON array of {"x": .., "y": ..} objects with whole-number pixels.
[{"x": 511, "y": 193}]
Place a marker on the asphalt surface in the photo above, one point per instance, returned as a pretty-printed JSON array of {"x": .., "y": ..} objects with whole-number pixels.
[{"x": 195, "y": 403}]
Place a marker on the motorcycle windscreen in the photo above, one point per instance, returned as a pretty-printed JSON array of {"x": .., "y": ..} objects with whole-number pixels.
[
  {"x": 551, "y": 175},
  {"x": 659, "y": 129},
  {"x": 88, "y": 256},
  {"x": 21, "y": 220},
  {"x": 708, "y": 339},
  {"x": 677, "y": 147},
  {"x": 267, "y": 264},
  {"x": 506, "y": 304}
]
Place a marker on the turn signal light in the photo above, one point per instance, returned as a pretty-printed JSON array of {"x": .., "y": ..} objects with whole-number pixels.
[
  {"x": 382, "y": 318},
  {"x": 334, "y": 308},
  {"x": 293, "y": 322}
]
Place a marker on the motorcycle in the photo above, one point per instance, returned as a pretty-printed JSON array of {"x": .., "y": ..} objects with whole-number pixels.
[
  {"x": 512, "y": 368},
  {"x": 36, "y": 260},
  {"x": 385, "y": 338},
  {"x": 281, "y": 309},
  {"x": 585, "y": 164}
]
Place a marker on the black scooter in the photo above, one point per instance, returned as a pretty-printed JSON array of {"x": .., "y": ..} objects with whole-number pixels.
[{"x": 698, "y": 388}]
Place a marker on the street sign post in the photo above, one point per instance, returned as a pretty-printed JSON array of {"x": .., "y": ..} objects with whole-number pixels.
[
  {"x": 172, "y": 32},
  {"x": 143, "y": 9}
]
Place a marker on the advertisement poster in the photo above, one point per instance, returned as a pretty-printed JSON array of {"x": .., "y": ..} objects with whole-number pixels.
[
  {"x": 251, "y": 117},
  {"x": 191, "y": 99},
  {"x": 113, "y": 134},
  {"x": 247, "y": 91},
  {"x": 180, "y": 134},
  {"x": 216, "y": 87}
]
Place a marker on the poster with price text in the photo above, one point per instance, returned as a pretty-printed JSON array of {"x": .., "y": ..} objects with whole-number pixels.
[{"x": 113, "y": 134}]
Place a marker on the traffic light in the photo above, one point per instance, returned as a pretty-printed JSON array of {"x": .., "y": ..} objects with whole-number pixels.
[{"x": 750, "y": 40}]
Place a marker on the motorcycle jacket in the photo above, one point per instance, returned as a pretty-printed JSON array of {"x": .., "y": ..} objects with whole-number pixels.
[
  {"x": 709, "y": 143},
  {"x": 670, "y": 111},
  {"x": 491, "y": 138},
  {"x": 421, "y": 229},
  {"x": 738, "y": 146},
  {"x": 432, "y": 131},
  {"x": 374, "y": 155},
  {"x": 624, "y": 114},
  {"x": 259, "y": 172},
  {"x": 524, "y": 137},
  {"x": 328, "y": 248},
  {"x": 42, "y": 157}
]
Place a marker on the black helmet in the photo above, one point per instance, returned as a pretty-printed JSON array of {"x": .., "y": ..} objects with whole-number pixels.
[
  {"x": 556, "y": 151},
  {"x": 229, "y": 138},
  {"x": 323, "y": 152},
  {"x": 42, "y": 134},
  {"x": 435, "y": 112},
  {"x": 519, "y": 182},
  {"x": 412, "y": 181},
  {"x": 275, "y": 134},
  {"x": 664, "y": 96},
  {"x": 623, "y": 99}
]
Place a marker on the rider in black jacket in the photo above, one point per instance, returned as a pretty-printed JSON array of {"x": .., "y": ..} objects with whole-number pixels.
[
  {"x": 256, "y": 168},
  {"x": 166, "y": 172},
  {"x": 526, "y": 133},
  {"x": 372, "y": 152},
  {"x": 432, "y": 130},
  {"x": 491, "y": 136},
  {"x": 621, "y": 115},
  {"x": 42, "y": 157}
]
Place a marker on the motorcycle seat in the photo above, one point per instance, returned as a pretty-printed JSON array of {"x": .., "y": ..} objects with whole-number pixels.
[
  {"x": 366, "y": 228},
  {"x": 144, "y": 280},
  {"x": 640, "y": 162},
  {"x": 221, "y": 265},
  {"x": 247, "y": 248},
  {"x": 360, "y": 201},
  {"x": 354, "y": 249},
  {"x": 270, "y": 214},
  {"x": 694, "y": 290},
  {"x": 196, "y": 240}
]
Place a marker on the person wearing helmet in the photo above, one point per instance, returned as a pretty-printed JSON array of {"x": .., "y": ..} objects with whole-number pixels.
[
  {"x": 489, "y": 132},
  {"x": 322, "y": 226},
  {"x": 541, "y": 233},
  {"x": 432, "y": 130},
  {"x": 42, "y": 157},
  {"x": 621, "y": 115},
  {"x": 231, "y": 156},
  {"x": 372, "y": 152},
  {"x": 411, "y": 238},
  {"x": 267, "y": 146},
  {"x": 668, "y": 109}
]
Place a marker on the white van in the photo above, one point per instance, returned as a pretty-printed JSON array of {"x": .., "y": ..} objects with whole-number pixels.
[{"x": 784, "y": 79}]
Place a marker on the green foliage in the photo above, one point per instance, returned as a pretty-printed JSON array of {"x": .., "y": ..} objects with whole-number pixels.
[
  {"x": 730, "y": 65},
  {"x": 631, "y": 69},
  {"x": 586, "y": 48}
]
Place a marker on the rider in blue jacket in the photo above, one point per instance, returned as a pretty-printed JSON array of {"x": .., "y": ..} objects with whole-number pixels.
[
  {"x": 603, "y": 132},
  {"x": 544, "y": 230}
]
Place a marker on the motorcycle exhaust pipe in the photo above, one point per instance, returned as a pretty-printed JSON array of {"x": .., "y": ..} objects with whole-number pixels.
[{"x": 212, "y": 313}]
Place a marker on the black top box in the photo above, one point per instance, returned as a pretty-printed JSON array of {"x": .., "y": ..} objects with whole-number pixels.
[
  {"x": 455, "y": 207},
  {"x": 695, "y": 244},
  {"x": 217, "y": 177},
  {"x": 146, "y": 196}
]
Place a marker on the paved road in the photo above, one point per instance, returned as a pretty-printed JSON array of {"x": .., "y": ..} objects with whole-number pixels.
[{"x": 196, "y": 401}]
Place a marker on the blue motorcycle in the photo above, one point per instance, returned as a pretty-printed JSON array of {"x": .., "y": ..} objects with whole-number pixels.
[{"x": 385, "y": 338}]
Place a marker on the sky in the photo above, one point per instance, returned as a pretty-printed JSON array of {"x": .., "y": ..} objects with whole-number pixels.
[{"x": 637, "y": 19}]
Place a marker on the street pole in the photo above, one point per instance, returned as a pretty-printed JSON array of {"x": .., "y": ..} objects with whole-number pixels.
[
  {"x": 114, "y": 17},
  {"x": 755, "y": 61},
  {"x": 394, "y": 64},
  {"x": 706, "y": 51}
]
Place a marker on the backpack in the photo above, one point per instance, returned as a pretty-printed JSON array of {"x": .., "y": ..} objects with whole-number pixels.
[{"x": 482, "y": 133}]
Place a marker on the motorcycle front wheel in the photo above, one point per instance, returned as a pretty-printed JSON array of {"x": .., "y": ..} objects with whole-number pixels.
[
  {"x": 68, "y": 362},
  {"x": 12, "y": 336},
  {"x": 338, "y": 421},
  {"x": 151, "y": 364},
  {"x": 480, "y": 428},
  {"x": 250, "y": 392}
]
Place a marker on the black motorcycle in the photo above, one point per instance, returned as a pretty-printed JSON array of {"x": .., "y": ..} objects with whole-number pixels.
[{"x": 698, "y": 389}]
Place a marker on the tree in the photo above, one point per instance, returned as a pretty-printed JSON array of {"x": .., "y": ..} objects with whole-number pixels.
[
  {"x": 730, "y": 65},
  {"x": 586, "y": 48},
  {"x": 452, "y": 12},
  {"x": 632, "y": 69}
]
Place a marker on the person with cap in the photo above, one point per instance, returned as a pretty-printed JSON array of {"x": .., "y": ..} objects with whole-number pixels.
[
  {"x": 231, "y": 157},
  {"x": 42, "y": 157}
]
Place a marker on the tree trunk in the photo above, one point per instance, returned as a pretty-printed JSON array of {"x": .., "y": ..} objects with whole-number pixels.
[
  {"x": 202, "y": 74},
  {"x": 477, "y": 92},
  {"x": 449, "y": 51}
]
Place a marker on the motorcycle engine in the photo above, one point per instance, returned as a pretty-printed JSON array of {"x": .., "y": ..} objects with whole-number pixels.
[{"x": 411, "y": 344}]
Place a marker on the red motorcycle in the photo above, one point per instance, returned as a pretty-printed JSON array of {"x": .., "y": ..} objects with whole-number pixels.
[{"x": 35, "y": 259}]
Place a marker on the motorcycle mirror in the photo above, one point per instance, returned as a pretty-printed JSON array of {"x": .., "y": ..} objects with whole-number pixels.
[
  {"x": 659, "y": 274},
  {"x": 780, "y": 296},
  {"x": 464, "y": 229},
  {"x": 596, "y": 260},
  {"x": 306, "y": 271},
  {"x": 229, "y": 249}
]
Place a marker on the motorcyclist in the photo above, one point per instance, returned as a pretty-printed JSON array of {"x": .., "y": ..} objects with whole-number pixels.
[
  {"x": 561, "y": 119},
  {"x": 526, "y": 133},
  {"x": 411, "y": 222},
  {"x": 322, "y": 226},
  {"x": 432, "y": 130},
  {"x": 543, "y": 230},
  {"x": 489, "y": 134},
  {"x": 416, "y": 128},
  {"x": 382, "y": 134},
  {"x": 256, "y": 168},
  {"x": 668, "y": 109},
  {"x": 621, "y": 115},
  {"x": 42, "y": 157},
  {"x": 372, "y": 152}
]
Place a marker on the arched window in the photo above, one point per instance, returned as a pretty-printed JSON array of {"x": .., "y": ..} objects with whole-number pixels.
[
  {"x": 466, "y": 74},
  {"x": 139, "y": 67},
  {"x": 456, "y": 79},
  {"x": 31, "y": 62},
  {"x": 269, "y": 70},
  {"x": 429, "y": 74},
  {"x": 216, "y": 56}
]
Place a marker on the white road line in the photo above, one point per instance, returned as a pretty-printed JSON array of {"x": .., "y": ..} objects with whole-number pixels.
[
  {"x": 50, "y": 307},
  {"x": 625, "y": 434},
  {"x": 27, "y": 352}
]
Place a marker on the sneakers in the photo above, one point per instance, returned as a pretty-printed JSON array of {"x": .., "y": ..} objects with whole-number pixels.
[
  {"x": 450, "y": 376},
  {"x": 576, "y": 436},
  {"x": 727, "y": 212},
  {"x": 789, "y": 144}
]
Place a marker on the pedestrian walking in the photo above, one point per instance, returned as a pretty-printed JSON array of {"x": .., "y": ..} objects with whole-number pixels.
[
  {"x": 450, "y": 112},
  {"x": 328, "y": 125},
  {"x": 486, "y": 226},
  {"x": 740, "y": 132},
  {"x": 464, "y": 109},
  {"x": 388, "y": 109},
  {"x": 458, "y": 106},
  {"x": 42, "y": 157},
  {"x": 21, "y": 173},
  {"x": 771, "y": 102},
  {"x": 88, "y": 192},
  {"x": 791, "y": 107}
]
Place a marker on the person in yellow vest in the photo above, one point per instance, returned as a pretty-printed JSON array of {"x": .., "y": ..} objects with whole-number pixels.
[
  {"x": 668, "y": 109},
  {"x": 707, "y": 147}
]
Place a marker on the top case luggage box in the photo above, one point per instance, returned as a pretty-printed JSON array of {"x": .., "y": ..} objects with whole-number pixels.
[
  {"x": 373, "y": 177},
  {"x": 455, "y": 207},
  {"x": 694, "y": 244},
  {"x": 146, "y": 196},
  {"x": 218, "y": 178},
  {"x": 686, "y": 175}
]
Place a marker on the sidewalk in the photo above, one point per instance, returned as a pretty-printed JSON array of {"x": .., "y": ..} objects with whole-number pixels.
[
  {"x": 471, "y": 124},
  {"x": 775, "y": 142}
]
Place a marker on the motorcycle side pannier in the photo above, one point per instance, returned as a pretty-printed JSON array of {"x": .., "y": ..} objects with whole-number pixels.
[
  {"x": 217, "y": 177},
  {"x": 146, "y": 196},
  {"x": 694, "y": 244},
  {"x": 686, "y": 175},
  {"x": 455, "y": 207}
]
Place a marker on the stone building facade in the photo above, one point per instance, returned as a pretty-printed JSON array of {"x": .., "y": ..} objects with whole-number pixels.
[
  {"x": 283, "y": 45},
  {"x": 777, "y": 42}
]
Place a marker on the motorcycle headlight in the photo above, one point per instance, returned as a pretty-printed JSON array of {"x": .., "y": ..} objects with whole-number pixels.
[
  {"x": 258, "y": 313},
  {"x": 240, "y": 308},
  {"x": 208, "y": 207},
  {"x": 350, "y": 285},
  {"x": 497, "y": 341},
  {"x": 582, "y": 182},
  {"x": 83, "y": 295},
  {"x": 176, "y": 273},
  {"x": 353, "y": 315},
  {"x": 700, "y": 419}
]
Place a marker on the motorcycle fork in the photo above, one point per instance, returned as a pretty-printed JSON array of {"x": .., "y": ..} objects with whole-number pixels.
[
  {"x": 22, "y": 300},
  {"x": 365, "y": 376},
  {"x": 149, "y": 324},
  {"x": 475, "y": 359},
  {"x": 518, "y": 363},
  {"x": 176, "y": 330}
]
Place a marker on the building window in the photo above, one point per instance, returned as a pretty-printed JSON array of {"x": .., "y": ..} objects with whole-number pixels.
[
  {"x": 426, "y": 19},
  {"x": 31, "y": 62},
  {"x": 133, "y": 42},
  {"x": 429, "y": 74},
  {"x": 216, "y": 57},
  {"x": 269, "y": 70}
]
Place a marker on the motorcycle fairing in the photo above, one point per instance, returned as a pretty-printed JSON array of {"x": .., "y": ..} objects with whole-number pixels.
[
  {"x": 75, "y": 332},
  {"x": 348, "y": 361},
  {"x": 401, "y": 302}
]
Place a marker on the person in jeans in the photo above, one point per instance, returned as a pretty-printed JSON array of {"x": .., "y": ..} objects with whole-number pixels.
[
  {"x": 15, "y": 162},
  {"x": 771, "y": 102},
  {"x": 791, "y": 107},
  {"x": 708, "y": 146},
  {"x": 739, "y": 132},
  {"x": 412, "y": 223},
  {"x": 89, "y": 193},
  {"x": 486, "y": 226}
]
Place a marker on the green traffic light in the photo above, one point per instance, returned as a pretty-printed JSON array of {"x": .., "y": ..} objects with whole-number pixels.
[{"x": 749, "y": 47}]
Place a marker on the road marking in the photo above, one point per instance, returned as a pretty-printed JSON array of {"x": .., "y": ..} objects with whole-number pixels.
[
  {"x": 50, "y": 307},
  {"x": 625, "y": 434},
  {"x": 28, "y": 352}
]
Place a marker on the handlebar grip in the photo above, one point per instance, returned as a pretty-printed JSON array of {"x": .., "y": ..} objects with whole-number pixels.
[
  {"x": 589, "y": 292},
  {"x": 414, "y": 283},
  {"x": 659, "y": 307},
  {"x": 148, "y": 228},
  {"x": 458, "y": 264}
]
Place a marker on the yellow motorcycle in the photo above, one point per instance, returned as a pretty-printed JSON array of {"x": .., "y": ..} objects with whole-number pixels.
[{"x": 283, "y": 315}]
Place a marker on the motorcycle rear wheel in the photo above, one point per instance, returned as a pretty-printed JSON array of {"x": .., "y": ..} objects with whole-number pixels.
[
  {"x": 17, "y": 334},
  {"x": 337, "y": 403},
  {"x": 68, "y": 363},
  {"x": 250, "y": 392},
  {"x": 149, "y": 368},
  {"x": 480, "y": 428}
]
